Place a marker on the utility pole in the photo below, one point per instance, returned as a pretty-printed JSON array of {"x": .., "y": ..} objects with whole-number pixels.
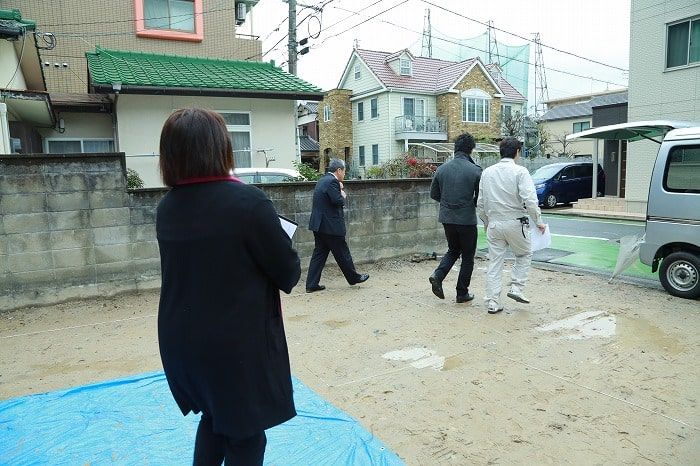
[{"x": 292, "y": 44}]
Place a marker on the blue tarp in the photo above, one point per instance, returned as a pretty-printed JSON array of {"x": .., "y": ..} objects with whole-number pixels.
[{"x": 134, "y": 420}]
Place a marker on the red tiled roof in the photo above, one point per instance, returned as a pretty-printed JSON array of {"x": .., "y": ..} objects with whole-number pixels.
[
  {"x": 429, "y": 74},
  {"x": 510, "y": 93}
]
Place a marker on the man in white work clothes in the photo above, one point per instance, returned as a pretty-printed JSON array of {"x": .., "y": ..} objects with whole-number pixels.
[{"x": 507, "y": 197}]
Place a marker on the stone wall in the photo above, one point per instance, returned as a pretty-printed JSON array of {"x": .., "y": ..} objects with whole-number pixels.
[
  {"x": 450, "y": 106},
  {"x": 336, "y": 134},
  {"x": 70, "y": 229}
]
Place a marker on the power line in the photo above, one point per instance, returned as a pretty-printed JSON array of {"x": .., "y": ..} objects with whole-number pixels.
[
  {"x": 524, "y": 38},
  {"x": 474, "y": 48}
]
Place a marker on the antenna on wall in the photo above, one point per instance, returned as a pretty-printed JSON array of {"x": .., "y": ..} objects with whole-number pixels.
[
  {"x": 541, "y": 92},
  {"x": 427, "y": 46}
]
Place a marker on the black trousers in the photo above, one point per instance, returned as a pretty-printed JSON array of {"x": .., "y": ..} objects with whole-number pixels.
[
  {"x": 461, "y": 241},
  {"x": 323, "y": 244},
  {"x": 211, "y": 449}
]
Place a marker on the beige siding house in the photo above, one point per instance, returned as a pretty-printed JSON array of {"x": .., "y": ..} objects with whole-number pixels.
[{"x": 401, "y": 103}]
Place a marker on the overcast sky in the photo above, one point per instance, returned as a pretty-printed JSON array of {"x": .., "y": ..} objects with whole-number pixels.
[{"x": 595, "y": 29}]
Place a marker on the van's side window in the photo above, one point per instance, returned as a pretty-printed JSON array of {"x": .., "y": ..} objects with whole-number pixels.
[{"x": 682, "y": 172}]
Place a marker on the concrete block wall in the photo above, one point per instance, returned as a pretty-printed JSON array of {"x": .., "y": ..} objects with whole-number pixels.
[{"x": 70, "y": 229}]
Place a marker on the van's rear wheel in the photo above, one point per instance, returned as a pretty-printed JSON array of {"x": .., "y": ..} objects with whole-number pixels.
[
  {"x": 551, "y": 201},
  {"x": 680, "y": 274}
]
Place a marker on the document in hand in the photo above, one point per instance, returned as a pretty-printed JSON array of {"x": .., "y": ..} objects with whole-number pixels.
[
  {"x": 539, "y": 240},
  {"x": 289, "y": 226}
]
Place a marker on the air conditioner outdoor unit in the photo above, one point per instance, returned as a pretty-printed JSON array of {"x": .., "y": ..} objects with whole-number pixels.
[{"x": 241, "y": 11}]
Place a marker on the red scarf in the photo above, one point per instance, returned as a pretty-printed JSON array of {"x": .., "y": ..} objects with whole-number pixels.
[{"x": 208, "y": 179}]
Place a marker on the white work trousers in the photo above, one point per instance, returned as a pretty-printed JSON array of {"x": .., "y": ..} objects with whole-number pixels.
[{"x": 501, "y": 235}]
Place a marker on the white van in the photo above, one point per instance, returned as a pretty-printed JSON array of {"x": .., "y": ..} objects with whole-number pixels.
[{"x": 672, "y": 239}]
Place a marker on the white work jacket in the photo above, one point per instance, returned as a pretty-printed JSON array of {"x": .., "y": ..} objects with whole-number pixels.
[{"x": 507, "y": 192}]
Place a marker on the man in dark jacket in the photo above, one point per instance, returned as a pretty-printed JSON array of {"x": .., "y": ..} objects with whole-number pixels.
[
  {"x": 328, "y": 224},
  {"x": 456, "y": 187}
]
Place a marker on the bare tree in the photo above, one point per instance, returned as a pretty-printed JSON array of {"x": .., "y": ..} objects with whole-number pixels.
[
  {"x": 514, "y": 124},
  {"x": 566, "y": 149}
]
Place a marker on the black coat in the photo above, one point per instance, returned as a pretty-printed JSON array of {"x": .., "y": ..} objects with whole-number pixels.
[
  {"x": 224, "y": 258},
  {"x": 456, "y": 187},
  {"x": 327, "y": 210}
]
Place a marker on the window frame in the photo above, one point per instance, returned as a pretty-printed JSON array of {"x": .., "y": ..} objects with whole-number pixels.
[
  {"x": 357, "y": 71},
  {"x": 408, "y": 68},
  {"x": 361, "y": 156},
  {"x": 327, "y": 113},
  {"x": 82, "y": 145},
  {"x": 688, "y": 63},
  {"x": 476, "y": 95},
  {"x": 240, "y": 129},
  {"x": 580, "y": 123},
  {"x": 360, "y": 111},
  {"x": 374, "y": 108},
  {"x": 169, "y": 34},
  {"x": 375, "y": 154},
  {"x": 668, "y": 166}
]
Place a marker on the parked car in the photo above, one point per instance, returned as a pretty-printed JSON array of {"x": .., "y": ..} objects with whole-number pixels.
[
  {"x": 671, "y": 241},
  {"x": 566, "y": 182},
  {"x": 267, "y": 175}
]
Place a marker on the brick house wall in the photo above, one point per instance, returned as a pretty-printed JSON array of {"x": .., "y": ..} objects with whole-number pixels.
[
  {"x": 336, "y": 134},
  {"x": 449, "y": 105},
  {"x": 79, "y": 26}
]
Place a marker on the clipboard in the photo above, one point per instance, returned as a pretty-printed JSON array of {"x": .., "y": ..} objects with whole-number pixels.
[{"x": 289, "y": 226}]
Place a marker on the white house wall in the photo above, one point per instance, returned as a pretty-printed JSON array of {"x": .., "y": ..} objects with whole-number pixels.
[
  {"x": 8, "y": 65},
  {"x": 140, "y": 120},
  {"x": 397, "y": 110},
  {"x": 82, "y": 126},
  {"x": 655, "y": 93},
  {"x": 372, "y": 130},
  {"x": 366, "y": 83}
]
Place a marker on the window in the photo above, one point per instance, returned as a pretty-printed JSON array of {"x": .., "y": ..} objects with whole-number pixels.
[
  {"x": 327, "y": 114},
  {"x": 581, "y": 126},
  {"x": 682, "y": 172},
  {"x": 360, "y": 111},
  {"x": 506, "y": 111},
  {"x": 374, "y": 109},
  {"x": 475, "y": 106},
  {"x": 361, "y": 155},
  {"x": 76, "y": 146},
  {"x": 405, "y": 67},
  {"x": 375, "y": 154},
  {"x": 683, "y": 43},
  {"x": 238, "y": 126},
  {"x": 357, "y": 72},
  {"x": 170, "y": 19},
  {"x": 413, "y": 107}
]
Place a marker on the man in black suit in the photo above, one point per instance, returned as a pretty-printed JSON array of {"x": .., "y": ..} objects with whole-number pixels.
[{"x": 328, "y": 224}]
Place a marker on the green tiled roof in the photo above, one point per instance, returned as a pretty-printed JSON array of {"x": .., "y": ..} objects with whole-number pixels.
[
  {"x": 15, "y": 16},
  {"x": 146, "y": 70}
]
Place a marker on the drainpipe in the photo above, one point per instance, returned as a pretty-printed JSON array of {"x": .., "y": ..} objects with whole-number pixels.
[
  {"x": 115, "y": 123},
  {"x": 595, "y": 169},
  {"x": 5, "y": 147},
  {"x": 388, "y": 114}
]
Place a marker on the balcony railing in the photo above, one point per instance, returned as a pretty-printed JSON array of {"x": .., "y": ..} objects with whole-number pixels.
[{"x": 420, "y": 124}]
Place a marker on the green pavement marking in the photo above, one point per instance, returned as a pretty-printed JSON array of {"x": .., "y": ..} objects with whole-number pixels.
[
  {"x": 596, "y": 254},
  {"x": 587, "y": 252}
]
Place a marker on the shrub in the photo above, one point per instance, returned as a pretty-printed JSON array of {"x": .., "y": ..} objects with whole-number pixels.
[
  {"x": 374, "y": 172},
  {"x": 307, "y": 171},
  {"x": 133, "y": 180},
  {"x": 408, "y": 166}
]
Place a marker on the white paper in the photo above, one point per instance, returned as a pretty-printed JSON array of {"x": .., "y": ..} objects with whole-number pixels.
[
  {"x": 288, "y": 226},
  {"x": 539, "y": 240}
]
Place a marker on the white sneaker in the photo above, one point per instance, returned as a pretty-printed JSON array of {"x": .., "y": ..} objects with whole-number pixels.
[
  {"x": 519, "y": 297},
  {"x": 494, "y": 309}
]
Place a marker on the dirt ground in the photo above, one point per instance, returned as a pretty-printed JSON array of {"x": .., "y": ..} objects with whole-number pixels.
[{"x": 589, "y": 373}]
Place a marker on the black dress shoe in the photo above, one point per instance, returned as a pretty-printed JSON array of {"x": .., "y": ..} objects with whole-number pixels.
[
  {"x": 362, "y": 278},
  {"x": 437, "y": 286},
  {"x": 315, "y": 288},
  {"x": 465, "y": 298}
]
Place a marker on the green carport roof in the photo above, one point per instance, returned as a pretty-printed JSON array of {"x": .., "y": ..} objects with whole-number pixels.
[{"x": 146, "y": 73}]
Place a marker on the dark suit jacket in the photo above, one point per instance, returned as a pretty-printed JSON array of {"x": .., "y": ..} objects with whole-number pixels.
[
  {"x": 456, "y": 187},
  {"x": 224, "y": 258},
  {"x": 327, "y": 210}
]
